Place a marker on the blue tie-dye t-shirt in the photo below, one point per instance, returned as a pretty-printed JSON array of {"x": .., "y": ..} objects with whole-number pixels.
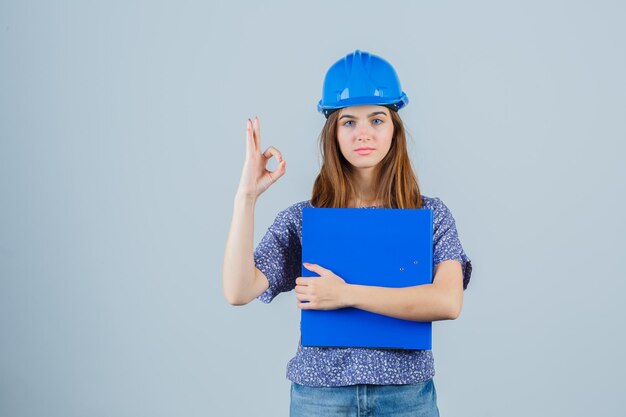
[{"x": 279, "y": 257}]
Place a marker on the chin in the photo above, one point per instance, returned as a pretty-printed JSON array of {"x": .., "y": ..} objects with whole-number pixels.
[{"x": 364, "y": 166}]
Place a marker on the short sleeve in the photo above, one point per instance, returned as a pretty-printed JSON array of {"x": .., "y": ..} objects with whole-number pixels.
[
  {"x": 446, "y": 243},
  {"x": 278, "y": 255}
]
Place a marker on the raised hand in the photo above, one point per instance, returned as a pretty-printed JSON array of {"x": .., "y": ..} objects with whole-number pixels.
[{"x": 255, "y": 177}]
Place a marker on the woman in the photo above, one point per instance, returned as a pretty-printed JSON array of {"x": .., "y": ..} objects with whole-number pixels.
[{"x": 365, "y": 164}]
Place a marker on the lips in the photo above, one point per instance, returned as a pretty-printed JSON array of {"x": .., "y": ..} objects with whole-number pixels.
[
  {"x": 364, "y": 148},
  {"x": 364, "y": 151}
]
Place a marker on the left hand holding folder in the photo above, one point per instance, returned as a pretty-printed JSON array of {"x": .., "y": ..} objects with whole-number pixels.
[{"x": 326, "y": 292}]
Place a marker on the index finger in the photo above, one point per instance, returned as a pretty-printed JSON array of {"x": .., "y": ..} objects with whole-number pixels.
[{"x": 302, "y": 281}]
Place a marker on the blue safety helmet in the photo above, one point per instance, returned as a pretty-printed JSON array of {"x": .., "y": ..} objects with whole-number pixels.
[{"x": 361, "y": 78}]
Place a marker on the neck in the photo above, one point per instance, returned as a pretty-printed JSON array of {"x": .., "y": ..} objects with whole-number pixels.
[{"x": 366, "y": 195}]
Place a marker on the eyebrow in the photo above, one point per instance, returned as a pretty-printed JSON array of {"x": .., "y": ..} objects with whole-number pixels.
[{"x": 369, "y": 115}]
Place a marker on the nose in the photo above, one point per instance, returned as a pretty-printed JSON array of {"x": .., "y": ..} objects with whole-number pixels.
[{"x": 364, "y": 133}]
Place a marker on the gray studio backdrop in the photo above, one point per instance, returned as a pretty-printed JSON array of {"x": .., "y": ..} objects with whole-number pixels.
[{"x": 122, "y": 129}]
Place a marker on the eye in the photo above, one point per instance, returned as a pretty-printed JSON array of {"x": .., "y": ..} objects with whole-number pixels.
[
  {"x": 377, "y": 120},
  {"x": 349, "y": 121}
]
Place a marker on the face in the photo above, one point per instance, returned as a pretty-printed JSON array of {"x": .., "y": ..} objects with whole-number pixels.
[{"x": 364, "y": 134}]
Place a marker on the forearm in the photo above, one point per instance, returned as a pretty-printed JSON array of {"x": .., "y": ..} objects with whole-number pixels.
[
  {"x": 419, "y": 303},
  {"x": 238, "y": 272}
]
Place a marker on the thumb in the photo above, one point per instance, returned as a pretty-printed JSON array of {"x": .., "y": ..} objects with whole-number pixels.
[
  {"x": 282, "y": 166},
  {"x": 278, "y": 172},
  {"x": 315, "y": 268}
]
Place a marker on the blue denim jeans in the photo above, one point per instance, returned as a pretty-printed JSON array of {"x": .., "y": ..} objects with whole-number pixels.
[{"x": 365, "y": 400}]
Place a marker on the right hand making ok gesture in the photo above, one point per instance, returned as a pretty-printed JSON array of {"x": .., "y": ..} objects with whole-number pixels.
[{"x": 255, "y": 178}]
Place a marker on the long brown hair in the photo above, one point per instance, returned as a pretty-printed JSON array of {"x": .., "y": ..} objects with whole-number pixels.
[{"x": 395, "y": 184}]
